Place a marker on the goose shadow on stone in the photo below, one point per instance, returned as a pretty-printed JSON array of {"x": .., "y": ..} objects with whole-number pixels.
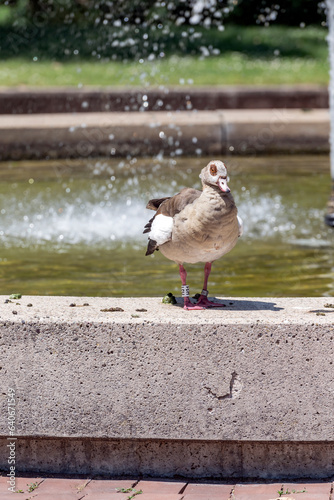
[{"x": 230, "y": 304}]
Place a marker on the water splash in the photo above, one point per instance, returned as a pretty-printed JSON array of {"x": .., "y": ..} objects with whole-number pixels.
[
  {"x": 265, "y": 216},
  {"x": 88, "y": 223},
  {"x": 108, "y": 222},
  {"x": 103, "y": 203}
]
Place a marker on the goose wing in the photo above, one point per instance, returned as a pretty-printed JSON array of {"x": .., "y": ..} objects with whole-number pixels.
[{"x": 160, "y": 225}]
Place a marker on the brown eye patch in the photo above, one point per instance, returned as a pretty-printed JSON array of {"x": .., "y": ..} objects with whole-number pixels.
[{"x": 213, "y": 169}]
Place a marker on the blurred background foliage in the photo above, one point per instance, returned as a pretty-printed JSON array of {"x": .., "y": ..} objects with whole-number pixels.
[
  {"x": 141, "y": 12},
  {"x": 292, "y": 50},
  {"x": 134, "y": 29}
]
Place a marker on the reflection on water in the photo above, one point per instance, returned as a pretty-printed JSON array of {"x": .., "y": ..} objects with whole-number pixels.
[{"x": 75, "y": 228}]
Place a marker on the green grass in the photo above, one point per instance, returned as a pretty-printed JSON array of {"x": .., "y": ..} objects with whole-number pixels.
[
  {"x": 71, "y": 56},
  {"x": 231, "y": 69}
]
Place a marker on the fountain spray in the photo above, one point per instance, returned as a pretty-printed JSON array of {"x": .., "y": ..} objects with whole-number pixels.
[{"x": 329, "y": 217}]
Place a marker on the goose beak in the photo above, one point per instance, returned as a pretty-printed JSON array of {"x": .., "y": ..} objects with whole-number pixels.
[{"x": 222, "y": 184}]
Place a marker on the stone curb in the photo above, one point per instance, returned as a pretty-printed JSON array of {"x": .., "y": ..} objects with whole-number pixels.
[
  {"x": 134, "y": 386},
  {"x": 69, "y": 100},
  {"x": 192, "y": 133}
]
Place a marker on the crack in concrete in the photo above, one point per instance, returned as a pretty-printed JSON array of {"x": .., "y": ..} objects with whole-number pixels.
[
  {"x": 227, "y": 396},
  {"x": 232, "y": 496},
  {"x": 83, "y": 486},
  {"x": 235, "y": 389},
  {"x": 182, "y": 490}
]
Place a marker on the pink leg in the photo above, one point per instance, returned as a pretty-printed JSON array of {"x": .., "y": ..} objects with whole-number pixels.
[
  {"x": 203, "y": 299},
  {"x": 187, "y": 303}
]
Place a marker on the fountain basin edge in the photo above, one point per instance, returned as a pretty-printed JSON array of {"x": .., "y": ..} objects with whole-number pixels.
[
  {"x": 192, "y": 133},
  {"x": 73, "y": 100}
]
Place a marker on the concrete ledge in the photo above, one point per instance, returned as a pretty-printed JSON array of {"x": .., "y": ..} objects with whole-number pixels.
[
  {"x": 70, "y": 100},
  {"x": 174, "y": 133},
  {"x": 251, "y": 383}
]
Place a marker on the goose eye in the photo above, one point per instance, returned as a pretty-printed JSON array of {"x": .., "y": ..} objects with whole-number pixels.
[{"x": 213, "y": 169}]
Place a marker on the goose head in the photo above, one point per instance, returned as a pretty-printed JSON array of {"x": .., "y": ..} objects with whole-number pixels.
[{"x": 215, "y": 174}]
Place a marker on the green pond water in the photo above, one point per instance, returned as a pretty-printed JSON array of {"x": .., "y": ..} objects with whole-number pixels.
[{"x": 75, "y": 228}]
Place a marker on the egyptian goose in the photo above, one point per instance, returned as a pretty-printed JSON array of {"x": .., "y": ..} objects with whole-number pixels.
[{"x": 196, "y": 226}]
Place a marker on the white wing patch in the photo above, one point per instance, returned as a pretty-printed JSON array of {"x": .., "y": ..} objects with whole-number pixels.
[
  {"x": 161, "y": 229},
  {"x": 241, "y": 226}
]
